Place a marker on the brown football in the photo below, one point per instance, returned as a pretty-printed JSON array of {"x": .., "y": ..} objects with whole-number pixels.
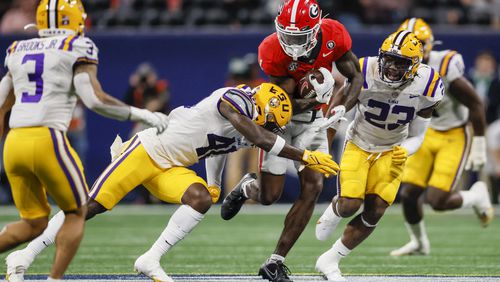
[{"x": 306, "y": 89}]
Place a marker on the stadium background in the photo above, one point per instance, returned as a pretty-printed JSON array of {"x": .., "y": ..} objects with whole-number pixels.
[{"x": 191, "y": 42}]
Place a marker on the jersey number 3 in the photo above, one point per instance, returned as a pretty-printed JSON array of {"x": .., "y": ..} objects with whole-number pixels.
[
  {"x": 217, "y": 145},
  {"x": 35, "y": 77}
]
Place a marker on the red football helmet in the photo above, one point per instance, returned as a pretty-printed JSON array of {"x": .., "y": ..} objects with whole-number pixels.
[{"x": 297, "y": 25}]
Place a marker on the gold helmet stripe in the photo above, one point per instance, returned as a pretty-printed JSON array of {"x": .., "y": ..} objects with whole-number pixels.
[
  {"x": 400, "y": 38},
  {"x": 411, "y": 24},
  {"x": 52, "y": 14}
]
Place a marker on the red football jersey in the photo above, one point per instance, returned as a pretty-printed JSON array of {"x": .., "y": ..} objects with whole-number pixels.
[{"x": 335, "y": 41}]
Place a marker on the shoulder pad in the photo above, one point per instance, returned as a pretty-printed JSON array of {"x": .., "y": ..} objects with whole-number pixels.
[
  {"x": 84, "y": 48},
  {"x": 430, "y": 83}
]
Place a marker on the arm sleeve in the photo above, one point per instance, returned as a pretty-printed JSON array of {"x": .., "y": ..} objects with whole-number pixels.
[
  {"x": 433, "y": 89},
  {"x": 215, "y": 167},
  {"x": 5, "y": 88},
  {"x": 416, "y": 134},
  {"x": 85, "y": 91},
  {"x": 85, "y": 50}
]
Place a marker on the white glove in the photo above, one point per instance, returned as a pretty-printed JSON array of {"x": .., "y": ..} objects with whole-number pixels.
[
  {"x": 116, "y": 148},
  {"x": 156, "y": 119},
  {"x": 324, "y": 90},
  {"x": 335, "y": 120},
  {"x": 477, "y": 155}
]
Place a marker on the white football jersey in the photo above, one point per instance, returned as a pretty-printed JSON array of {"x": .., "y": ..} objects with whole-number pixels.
[
  {"x": 383, "y": 113},
  {"x": 199, "y": 131},
  {"x": 42, "y": 74},
  {"x": 449, "y": 113}
]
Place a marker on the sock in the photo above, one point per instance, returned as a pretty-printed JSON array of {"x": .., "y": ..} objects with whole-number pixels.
[
  {"x": 48, "y": 236},
  {"x": 469, "y": 198},
  {"x": 340, "y": 250},
  {"x": 184, "y": 219},
  {"x": 417, "y": 231},
  {"x": 275, "y": 258},
  {"x": 330, "y": 215}
]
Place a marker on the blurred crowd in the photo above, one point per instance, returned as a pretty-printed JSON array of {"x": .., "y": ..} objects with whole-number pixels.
[{"x": 106, "y": 14}]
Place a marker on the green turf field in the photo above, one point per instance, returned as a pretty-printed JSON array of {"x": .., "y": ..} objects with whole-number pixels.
[{"x": 112, "y": 242}]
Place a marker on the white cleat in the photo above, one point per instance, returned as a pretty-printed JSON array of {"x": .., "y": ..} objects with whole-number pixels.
[
  {"x": 326, "y": 224},
  {"x": 152, "y": 269},
  {"x": 17, "y": 263},
  {"x": 413, "y": 247},
  {"x": 484, "y": 209},
  {"x": 329, "y": 267}
]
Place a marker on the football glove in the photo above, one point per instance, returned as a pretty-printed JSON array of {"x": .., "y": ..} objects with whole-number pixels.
[
  {"x": 214, "y": 193},
  {"x": 399, "y": 155},
  {"x": 477, "y": 155},
  {"x": 324, "y": 90},
  {"x": 116, "y": 148},
  {"x": 335, "y": 120},
  {"x": 320, "y": 162},
  {"x": 156, "y": 119}
]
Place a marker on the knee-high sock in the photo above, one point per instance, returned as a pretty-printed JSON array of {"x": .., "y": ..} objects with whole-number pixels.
[
  {"x": 184, "y": 219},
  {"x": 48, "y": 236}
]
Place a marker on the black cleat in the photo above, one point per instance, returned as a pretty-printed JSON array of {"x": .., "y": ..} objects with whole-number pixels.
[
  {"x": 275, "y": 271},
  {"x": 234, "y": 200}
]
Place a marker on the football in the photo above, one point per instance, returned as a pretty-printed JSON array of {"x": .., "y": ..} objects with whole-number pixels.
[{"x": 306, "y": 89}]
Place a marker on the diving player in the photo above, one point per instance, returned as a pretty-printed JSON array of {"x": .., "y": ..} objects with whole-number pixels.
[
  {"x": 219, "y": 124},
  {"x": 47, "y": 75},
  {"x": 302, "y": 41},
  {"x": 448, "y": 148},
  {"x": 394, "y": 109}
]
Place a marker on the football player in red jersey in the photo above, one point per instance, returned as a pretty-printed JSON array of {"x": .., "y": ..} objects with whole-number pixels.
[{"x": 303, "y": 41}]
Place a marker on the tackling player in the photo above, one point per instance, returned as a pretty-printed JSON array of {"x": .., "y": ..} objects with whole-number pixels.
[
  {"x": 47, "y": 75},
  {"x": 303, "y": 41},
  {"x": 447, "y": 149},
  {"x": 219, "y": 124},
  {"x": 394, "y": 109}
]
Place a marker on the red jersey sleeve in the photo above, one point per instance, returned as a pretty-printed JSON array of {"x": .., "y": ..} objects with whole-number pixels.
[
  {"x": 269, "y": 57},
  {"x": 342, "y": 38}
]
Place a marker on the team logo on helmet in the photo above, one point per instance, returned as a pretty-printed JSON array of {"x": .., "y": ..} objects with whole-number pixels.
[
  {"x": 330, "y": 45},
  {"x": 293, "y": 66},
  {"x": 274, "y": 102},
  {"x": 314, "y": 11}
]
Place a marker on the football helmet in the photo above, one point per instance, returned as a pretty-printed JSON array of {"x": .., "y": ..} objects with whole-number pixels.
[
  {"x": 297, "y": 25},
  {"x": 60, "y": 17},
  {"x": 399, "y": 58},
  {"x": 274, "y": 107},
  {"x": 422, "y": 31}
]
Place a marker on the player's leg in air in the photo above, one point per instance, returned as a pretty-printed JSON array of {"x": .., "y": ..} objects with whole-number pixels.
[
  {"x": 436, "y": 168},
  {"x": 48, "y": 166},
  {"x": 268, "y": 189},
  {"x": 130, "y": 169},
  {"x": 365, "y": 178}
]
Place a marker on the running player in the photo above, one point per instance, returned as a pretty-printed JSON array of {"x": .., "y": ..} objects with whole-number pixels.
[
  {"x": 448, "y": 148},
  {"x": 46, "y": 75},
  {"x": 394, "y": 109},
  {"x": 303, "y": 41},
  {"x": 219, "y": 124}
]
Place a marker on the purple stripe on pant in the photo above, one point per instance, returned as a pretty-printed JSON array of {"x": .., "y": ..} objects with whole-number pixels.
[
  {"x": 80, "y": 176},
  {"x": 64, "y": 168},
  {"x": 118, "y": 162}
]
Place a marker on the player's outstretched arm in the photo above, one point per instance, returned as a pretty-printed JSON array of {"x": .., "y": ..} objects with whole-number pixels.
[
  {"x": 89, "y": 89},
  {"x": 7, "y": 98},
  {"x": 274, "y": 144}
]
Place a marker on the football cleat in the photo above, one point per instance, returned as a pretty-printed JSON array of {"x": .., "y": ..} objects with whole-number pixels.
[
  {"x": 326, "y": 224},
  {"x": 483, "y": 208},
  {"x": 17, "y": 263},
  {"x": 234, "y": 200},
  {"x": 275, "y": 271},
  {"x": 329, "y": 267},
  {"x": 152, "y": 269},
  {"x": 414, "y": 247}
]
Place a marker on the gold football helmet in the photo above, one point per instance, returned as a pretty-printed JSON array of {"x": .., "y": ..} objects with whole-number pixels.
[
  {"x": 399, "y": 57},
  {"x": 60, "y": 17},
  {"x": 422, "y": 31},
  {"x": 274, "y": 107}
]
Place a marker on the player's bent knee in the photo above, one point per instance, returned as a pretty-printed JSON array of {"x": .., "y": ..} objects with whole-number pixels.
[
  {"x": 94, "y": 208},
  {"x": 197, "y": 197},
  {"x": 347, "y": 207},
  {"x": 410, "y": 193},
  {"x": 437, "y": 199}
]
